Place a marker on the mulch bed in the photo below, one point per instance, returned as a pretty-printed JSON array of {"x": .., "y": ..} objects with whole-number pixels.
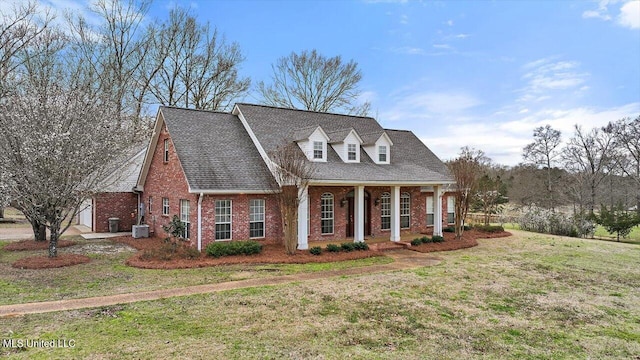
[
  {"x": 272, "y": 253},
  {"x": 469, "y": 239},
  {"x": 45, "y": 262},
  {"x": 26, "y": 245}
]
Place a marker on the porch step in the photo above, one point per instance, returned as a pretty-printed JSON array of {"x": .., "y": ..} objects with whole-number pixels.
[{"x": 389, "y": 246}]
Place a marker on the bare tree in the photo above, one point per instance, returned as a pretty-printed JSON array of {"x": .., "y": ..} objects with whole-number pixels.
[
  {"x": 292, "y": 170},
  {"x": 57, "y": 134},
  {"x": 198, "y": 68},
  {"x": 311, "y": 81},
  {"x": 466, "y": 170},
  {"x": 18, "y": 29},
  {"x": 590, "y": 157},
  {"x": 626, "y": 134},
  {"x": 491, "y": 192},
  {"x": 542, "y": 152}
]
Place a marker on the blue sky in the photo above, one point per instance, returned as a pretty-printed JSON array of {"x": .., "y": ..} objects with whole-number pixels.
[{"x": 457, "y": 73}]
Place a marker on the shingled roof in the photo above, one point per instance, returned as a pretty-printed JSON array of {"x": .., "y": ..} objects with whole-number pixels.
[
  {"x": 216, "y": 151},
  {"x": 410, "y": 160}
]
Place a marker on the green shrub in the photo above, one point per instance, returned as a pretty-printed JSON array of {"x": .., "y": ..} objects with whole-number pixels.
[
  {"x": 437, "y": 239},
  {"x": 230, "y": 248},
  {"x": 449, "y": 229},
  {"x": 333, "y": 248},
  {"x": 425, "y": 240},
  {"x": 347, "y": 246},
  {"x": 416, "y": 242},
  {"x": 489, "y": 228},
  {"x": 361, "y": 246},
  {"x": 316, "y": 250}
]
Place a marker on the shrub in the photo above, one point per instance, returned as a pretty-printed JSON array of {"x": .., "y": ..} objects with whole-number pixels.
[
  {"x": 416, "y": 242},
  {"x": 437, "y": 239},
  {"x": 347, "y": 246},
  {"x": 361, "y": 246},
  {"x": 425, "y": 240},
  {"x": 546, "y": 221},
  {"x": 230, "y": 248},
  {"x": 171, "y": 251},
  {"x": 333, "y": 248},
  {"x": 489, "y": 228},
  {"x": 316, "y": 250},
  {"x": 449, "y": 229}
]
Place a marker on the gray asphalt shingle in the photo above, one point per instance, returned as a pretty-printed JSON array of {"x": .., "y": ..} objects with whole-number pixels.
[{"x": 215, "y": 151}]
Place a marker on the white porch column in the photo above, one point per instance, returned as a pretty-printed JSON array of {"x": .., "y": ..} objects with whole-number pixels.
[
  {"x": 358, "y": 212},
  {"x": 303, "y": 214},
  {"x": 395, "y": 213},
  {"x": 437, "y": 211}
]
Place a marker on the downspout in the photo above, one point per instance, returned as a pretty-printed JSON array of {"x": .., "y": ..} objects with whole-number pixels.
[{"x": 200, "y": 221}]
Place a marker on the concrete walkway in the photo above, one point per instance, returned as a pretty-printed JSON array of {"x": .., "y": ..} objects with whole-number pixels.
[{"x": 404, "y": 259}]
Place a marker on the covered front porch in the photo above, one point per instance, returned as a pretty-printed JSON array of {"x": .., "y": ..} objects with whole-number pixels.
[{"x": 372, "y": 212}]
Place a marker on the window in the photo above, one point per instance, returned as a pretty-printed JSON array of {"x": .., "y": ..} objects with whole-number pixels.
[
  {"x": 430, "y": 213},
  {"x": 385, "y": 211},
  {"x": 256, "y": 218},
  {"x": 185, "y": 207},
  {"x": 326, "y": 213},
  {"x": 223, "y": 219},
  {"x": 451, "y": 209},
  {"x": 351, "y": 152},
  {"x": 165, "y": 206},
  {"x": 318, "y": 150},
  {"x": 166, "y": 150},
  {"x": 405, "y": 210},
  {"x": 150, "y": 203},
  {"x": 382, "y": 153}
]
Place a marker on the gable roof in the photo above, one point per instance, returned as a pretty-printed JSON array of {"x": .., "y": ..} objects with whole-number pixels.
[
  {"x": 216, "y": 152},
  {"x": 123, "y": 178},
  {"x": 411, "y": 161}
]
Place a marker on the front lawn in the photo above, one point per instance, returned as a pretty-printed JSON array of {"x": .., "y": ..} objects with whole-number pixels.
[
  {"x": 107, "y": 273},
  {"x": 530, "y": 296}
]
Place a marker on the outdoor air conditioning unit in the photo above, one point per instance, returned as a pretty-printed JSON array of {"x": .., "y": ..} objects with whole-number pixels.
[{"x": 140, "y": 231}]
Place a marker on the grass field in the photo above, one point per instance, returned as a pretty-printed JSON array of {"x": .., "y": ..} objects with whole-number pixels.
[{"x": 529, "y": 296}]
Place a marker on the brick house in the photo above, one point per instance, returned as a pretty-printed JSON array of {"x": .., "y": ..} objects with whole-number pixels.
[
  {"x": 117, "y": 198},
  {"x": 212, "y": 170}
]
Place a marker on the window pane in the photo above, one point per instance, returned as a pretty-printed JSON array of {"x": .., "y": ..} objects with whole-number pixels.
[
  {"x": 165, "y": 206},
  {"x": 405, "y": 210},
  {"x": 382, "y": 153},
  {"x": 326, "y": 213},
  {"x": 223, "y": 219},
  {"x": 430, "y": 214},
  {"x": 317, "y": 149},
  {"x": 351, "y": 150},
  {"x": 184, "y": 217},
  {"x": 385, "y": 211},
  {"x": 256, "y": 218}
]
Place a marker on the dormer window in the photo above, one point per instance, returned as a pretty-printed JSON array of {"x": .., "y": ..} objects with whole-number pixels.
[
  {"x": 351, "y": 152},
  {"x": 382, "y": 154},
  {"x": 318, "y": 150}
]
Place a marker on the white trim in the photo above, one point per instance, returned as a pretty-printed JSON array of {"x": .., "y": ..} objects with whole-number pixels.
[
  {"x": 395, "y": 214},
  {"x": 375, "y": 183},
  {"x": 232, "y": 192},
  {"x": 200, "y": 222}
]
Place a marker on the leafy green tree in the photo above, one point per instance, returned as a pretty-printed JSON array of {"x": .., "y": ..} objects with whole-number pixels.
[{"x": 617, "y": 220}]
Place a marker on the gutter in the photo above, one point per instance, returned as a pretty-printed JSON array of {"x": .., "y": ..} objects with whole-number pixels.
[{"x": 200, "y": 221}]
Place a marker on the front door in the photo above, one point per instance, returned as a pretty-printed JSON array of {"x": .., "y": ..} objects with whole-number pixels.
[{"x": 351, "y": 214}]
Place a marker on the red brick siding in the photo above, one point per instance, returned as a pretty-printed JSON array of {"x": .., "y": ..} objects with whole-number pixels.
[
  {"x": 167, "y": 180},
  {"x": 240, "y": 217},
  {"x": 108, "y": 205}
]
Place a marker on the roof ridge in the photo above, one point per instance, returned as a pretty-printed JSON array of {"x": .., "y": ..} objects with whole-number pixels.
[
  {"x": 307, "y": 111},
  {"x": 198, "y": 110}
]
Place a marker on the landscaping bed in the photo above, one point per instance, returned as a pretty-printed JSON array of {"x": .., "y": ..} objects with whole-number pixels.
[
  {"x": 469, "y": 239},
  {"x": 272, "y": 253},
  {"x": 45, "y": 262},
  {"x": 28, "y": 245}
]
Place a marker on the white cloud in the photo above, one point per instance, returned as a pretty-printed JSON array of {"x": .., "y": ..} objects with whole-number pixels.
[
  {"x": 408, "y": 50},
  {"x": 404, "y": 19},
  {"x": 545, "y": 76},
  {"x": 630, "y": 15},
  {"x": 450, "y": 22},
  {"x": 442, "y": 46}
]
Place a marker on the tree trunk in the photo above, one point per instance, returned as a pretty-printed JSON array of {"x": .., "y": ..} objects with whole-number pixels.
[
  {"x": 39, "y": 230},
  {"x": 1, "y": 212},
  {"x": 53, "y": 240}
]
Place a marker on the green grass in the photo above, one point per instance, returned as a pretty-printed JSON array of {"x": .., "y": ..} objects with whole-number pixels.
[
  {"x": 530, "y": 296},
  {"x": 107, "y": 274}
]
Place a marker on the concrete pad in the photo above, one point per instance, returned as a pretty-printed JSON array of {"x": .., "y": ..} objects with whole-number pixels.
[{"x": 94, "y": 236}]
